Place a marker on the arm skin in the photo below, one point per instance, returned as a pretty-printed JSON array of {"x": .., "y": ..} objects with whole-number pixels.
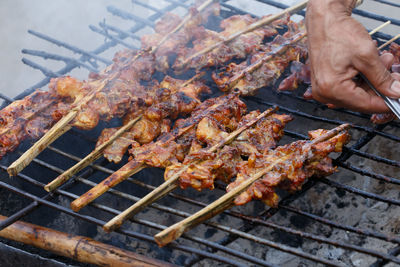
[{"x": 340, "y": 48}]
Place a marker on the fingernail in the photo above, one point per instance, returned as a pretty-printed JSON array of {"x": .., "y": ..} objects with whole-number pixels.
[{"x": 395, "y": 88}]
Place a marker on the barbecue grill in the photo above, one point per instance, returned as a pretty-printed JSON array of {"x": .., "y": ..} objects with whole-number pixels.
[{"x": 346, "y": 219}]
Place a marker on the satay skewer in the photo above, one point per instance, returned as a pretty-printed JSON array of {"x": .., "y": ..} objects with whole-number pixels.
[
  {"x": 131, "y": 167},
  {"x": 175, "y": 231},
  {"x": 171, "y": 183},
  {"x": 63, "y": 125},
  {"x": 252, "y": 27},
  {"x": 180, "y": 25},
  {"x": 97, "y": 152},
  {"x": 93, "y": 156},
  {"x": 275, "y": 52}
]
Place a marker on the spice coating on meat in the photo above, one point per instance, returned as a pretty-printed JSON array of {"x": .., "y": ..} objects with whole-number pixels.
[
  {"x": 205, "y": 167},
  {"x": 173, "y": 97},
  {"x": 171, "y": 148},
  {"x": 302, "y": 162},
  {"x": 238, "y": 48},
  {"x": 264, "y": 66},
  {"x": 178, "y": 40},
  {"x": 30, "y": 117}
]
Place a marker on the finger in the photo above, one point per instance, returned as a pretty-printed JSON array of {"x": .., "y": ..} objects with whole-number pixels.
[
  {"x": 396, "y": 76},
  {"x": 375, "y": 69},
  {"x": 357, "y": 98},
  {"x": 387, "y": 60},
  {"x": 331, "y": 106}
]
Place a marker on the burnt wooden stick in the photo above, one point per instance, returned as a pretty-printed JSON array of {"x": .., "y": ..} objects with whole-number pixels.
[
  {"x": 78, "y": 248},
  {"x": 93, "y": 156},
  {"x": 171, "y": 183},
  {"x": 61, "y": 127},
  {"x": 130, "y": 168},
  {"x": 123, "y": 173},
  {"x": 175, "y": 231},
  {"x": 97, "y": 152}
]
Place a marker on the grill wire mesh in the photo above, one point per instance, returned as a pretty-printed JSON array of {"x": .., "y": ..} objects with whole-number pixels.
[{"x": 303, "y": 223}]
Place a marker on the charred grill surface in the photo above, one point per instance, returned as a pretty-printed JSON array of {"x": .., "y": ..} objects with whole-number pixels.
[{"x": 373, "y": 146}]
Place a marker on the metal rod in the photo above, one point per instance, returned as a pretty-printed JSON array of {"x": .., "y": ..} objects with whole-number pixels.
[
  {"x": 111, "y": 37},
  {"x": 360, "y": 192},
  {"x": 132, "y": 198},
  {"x": 125, "y": 232},
  {"x": 70, "y": 47},
  {"x": 47, "y": 55}
]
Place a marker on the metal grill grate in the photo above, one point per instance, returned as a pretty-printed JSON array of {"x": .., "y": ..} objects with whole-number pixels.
[{"x": 221, "y": 240}]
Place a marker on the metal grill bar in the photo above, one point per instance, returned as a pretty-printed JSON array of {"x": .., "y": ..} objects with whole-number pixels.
[
  {"x": 121, "y": 231},
  {"x": 46, "y": 55},
  {"x": 111, "y": 37},
  {"x": 71, "y": 47},
  {"x": 132, "y": 198},
  {"x": 227, "y": 229},
  {"x": 87, "y": 56},
  {"x": 323, "y": 119},
  {"x": 388, "y": 3},
  {"x": 360, "y": 192},
  {"x": 371, "y": 132},
  {"x": 122, "y": 33},
  {"x": 252, "y": 220},
  {"x": 349, "y": 228},
  {"x": 129, "y": 16},
  {"x": 322, "y": 106}
]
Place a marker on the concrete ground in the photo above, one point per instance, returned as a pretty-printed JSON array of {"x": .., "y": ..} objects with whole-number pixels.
[{"x": 68, "y": 20}]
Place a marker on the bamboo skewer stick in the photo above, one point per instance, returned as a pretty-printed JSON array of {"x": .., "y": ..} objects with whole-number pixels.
[
  {"x": 61, "y": 127},
  {"x": 97, "y": 152},
  {"x": 78, "y": 248},
  {"x": 130, "y": 168},
  {"x": 171, "y": 183},
  {"x": 380, "y": 27},
  {"x": 93, "y": 156},
  {"x": 175, "y": 231},
  {"x": 57, "y": 130},
  {"x": 389, "y": 42}
]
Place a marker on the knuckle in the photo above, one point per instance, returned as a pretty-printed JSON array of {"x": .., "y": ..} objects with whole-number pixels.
[
  {"x": 383, "y": 79},
  {"x": 325, "y": 87},
  {"x": 366, "y": 50}
]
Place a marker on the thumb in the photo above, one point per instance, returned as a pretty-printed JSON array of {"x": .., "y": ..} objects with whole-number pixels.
[{"x": 376, "y": 72}]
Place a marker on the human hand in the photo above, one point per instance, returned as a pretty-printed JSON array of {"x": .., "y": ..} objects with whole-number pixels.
[{"x": 339, "y": 49}]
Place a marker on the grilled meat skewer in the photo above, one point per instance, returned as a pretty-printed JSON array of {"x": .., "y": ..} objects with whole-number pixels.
[
  {"x": 112, "y": 91},
  {"x": 205, "y": 167},
  {"x": 170, "y": 147},
  {"x": 203, "y": 130},
  {"x": 173, "y": 97},
  {"x": 177, "y": 98},
  {"x": 300, "y": 154}
]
